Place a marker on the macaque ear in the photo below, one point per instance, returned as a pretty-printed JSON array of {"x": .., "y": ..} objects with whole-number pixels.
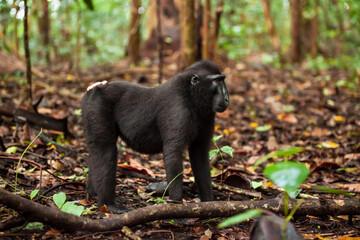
[{"x": 195, "y": 79}]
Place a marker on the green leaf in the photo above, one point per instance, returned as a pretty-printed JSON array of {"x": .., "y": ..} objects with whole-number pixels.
[
  {"x": 12, "y": 150},
  {"x": 59, "y": 199},
  {"x": 281, "y": 153},
  {"x": 288, "y": 152},
  {"x": 213, "y": 152},
  {"x": 332, "y": 190},
  {"x": 288, "y": 175},
  {"x": 34, "y": 193},
  {"x": 228, "y": 150},
  {"x": 77, "y": 112},
  {"x": 34, "y": 225},
  {"x": 70, "y": 207},
  {"x": 216, "y": 138},
  {"x": 295, "y": 194},
  {"x": 239, "y": 218},
  {"x": 263, "y": 128},
  {"x": 255, "y": 184}
]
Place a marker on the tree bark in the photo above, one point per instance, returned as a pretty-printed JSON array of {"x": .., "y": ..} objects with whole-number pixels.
[
  {"x": 27, "y": 56},
  {"x": 189, "y": 33},
  {"x": 44, "y": 28},
  {"x": 159, "y": 37},
  {"x": 270, "y": 25},
  {"x": 215, "y": 30},
  {"x": 206, "y": 29},
  {"x": 134, "y": 32},
  {"x": 295, "y": 30}
]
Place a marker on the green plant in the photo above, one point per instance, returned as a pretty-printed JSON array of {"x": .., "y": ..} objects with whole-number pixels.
[
  {"x": 224, "y": 149},
  {"x": 162, "y": 200},
  {"x": 22, "y": 155},
  {"x": 68, "y": 207},
  {"x": 286, "y": 174}
]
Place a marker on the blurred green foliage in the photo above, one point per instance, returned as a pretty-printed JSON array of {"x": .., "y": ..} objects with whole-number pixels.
[{"x": 103, "y": 33}]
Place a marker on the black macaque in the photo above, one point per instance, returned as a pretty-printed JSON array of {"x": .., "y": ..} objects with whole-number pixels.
[{"x": 169, "y": 118}]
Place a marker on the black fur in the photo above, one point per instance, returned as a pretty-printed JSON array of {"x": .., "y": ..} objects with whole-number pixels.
[{"x": 176, "y": 115}]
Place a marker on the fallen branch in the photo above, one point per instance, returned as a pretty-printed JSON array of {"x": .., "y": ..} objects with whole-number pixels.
[
  {"x": 37, "y": 212},
  {"x": 37, "y": 119}
]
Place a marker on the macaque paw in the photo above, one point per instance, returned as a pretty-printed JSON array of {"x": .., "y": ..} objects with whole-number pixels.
[{"x": 96, "y": 84}]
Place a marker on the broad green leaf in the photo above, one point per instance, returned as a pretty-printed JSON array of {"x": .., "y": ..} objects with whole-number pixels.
[
  {"x": 216, "y": 138},
  {"x": 288, "y": 152},
  {"x": 288, "y": 175},
  {"x": 34, "y": 225},
  {"x": 295, "y": 194},
  {"x": 12, "y": 149},
  {"x": 34, "y": 193},
  {"x": 263, "y": 128},
  {"x": 332, "y": 190},
  {"x": 59, "y": 199},
  {"x": 239, "y": 218},
  {"x": 281, "y": 153},
  {"x": 70, "y": 207},
  {"x": 228, "y": 150},
  {"x": 213, "y": 152},
  {"x": 255, "y": 184}
]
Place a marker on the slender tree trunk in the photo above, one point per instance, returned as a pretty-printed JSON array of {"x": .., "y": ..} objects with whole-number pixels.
[
  {"x": 215, "y": 30},
  {"x": 44, "y": 28},
  {"x": 134, "y": 32},
  {"x": 206, "y": 29},
  {"x": 270, "y": 25},
  {"x": 314, "y": 31},
  {"x": 189, "y": 33},
  {"x": 295, "y": 30},
  {"x": 198, "y": 29},
  {"x": 159, "y": 38},
  {"x": 27, "y": 56},
  {"x": 181, "y": 7}
]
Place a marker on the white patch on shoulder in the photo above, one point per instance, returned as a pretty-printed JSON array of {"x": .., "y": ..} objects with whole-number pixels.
[{"x": 96, "y": 84}]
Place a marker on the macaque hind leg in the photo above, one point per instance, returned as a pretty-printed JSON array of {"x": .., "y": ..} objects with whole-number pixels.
[
  {"x": 102, "y": 173},
  {"x": 174, "y": 176},
  {"x": 199, "y": 158}
]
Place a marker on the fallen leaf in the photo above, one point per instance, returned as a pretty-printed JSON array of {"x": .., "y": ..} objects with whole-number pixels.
[
  {"x": 338, "y": 118},
  {"x": 287, "y": 117}
]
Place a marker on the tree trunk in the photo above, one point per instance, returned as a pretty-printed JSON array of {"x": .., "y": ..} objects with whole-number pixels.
[
  {"x": 339, "y": 37},
  {"x": 295, "y": 30},
  {"x": 215, "y": 30},
  {"x": 133, "y": 52},
  {"x": 44, "y": 28},
  {"x": 159, "y": 37},
  {"x": 27, "y": 56},
  {"x": 206, "y": 29},
  {"x": 189, "y": 33},
  {"x": 198, "y": 30},
  {"x": 270, "y": 25}
]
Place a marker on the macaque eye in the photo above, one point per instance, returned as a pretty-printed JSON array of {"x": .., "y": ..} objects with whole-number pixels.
[{"x": 195, "y": 79}]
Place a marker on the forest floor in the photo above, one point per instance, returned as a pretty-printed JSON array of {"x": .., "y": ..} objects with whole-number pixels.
[{"x": 304, "y": 109}]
